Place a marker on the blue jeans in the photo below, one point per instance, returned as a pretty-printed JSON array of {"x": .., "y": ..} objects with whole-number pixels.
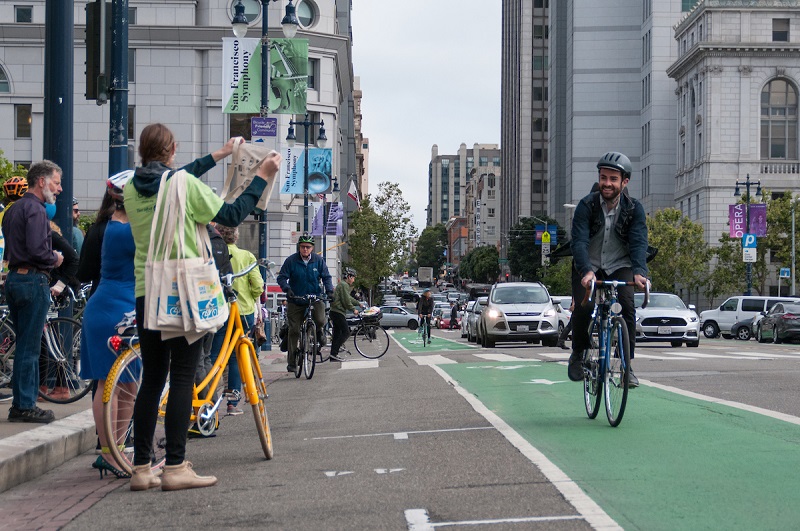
[
  {"x": 234, "y": 378},
  {"x": 28, "y": 298}
]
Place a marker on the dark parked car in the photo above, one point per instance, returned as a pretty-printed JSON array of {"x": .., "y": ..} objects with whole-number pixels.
[
  {"x": 780, "y": 323},
  {"x": 743, "y": 329}
]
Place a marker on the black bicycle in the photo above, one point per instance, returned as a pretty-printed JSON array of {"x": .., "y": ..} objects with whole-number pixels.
[{"x": 308, "y": 349}]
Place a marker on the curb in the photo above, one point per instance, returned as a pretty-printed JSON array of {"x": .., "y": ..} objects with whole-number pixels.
[{"x": 28, "y": 455}]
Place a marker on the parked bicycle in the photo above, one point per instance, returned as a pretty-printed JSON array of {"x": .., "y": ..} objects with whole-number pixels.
[{"x": 607, "y": 361}]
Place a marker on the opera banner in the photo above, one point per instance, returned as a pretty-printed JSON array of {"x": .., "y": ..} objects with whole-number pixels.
[{"x": 241, "y": 75}]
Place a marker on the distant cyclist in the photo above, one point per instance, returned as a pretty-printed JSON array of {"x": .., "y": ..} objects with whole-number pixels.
[
  {"x": 425, "y": 310},
  {"x": 609, "y": 242},
  {"x": 304, "y": 273},
  {"x": 341, "y": 303}
]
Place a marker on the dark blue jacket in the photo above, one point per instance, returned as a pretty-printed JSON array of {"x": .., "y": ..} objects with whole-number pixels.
[
  {"x": 631, "y": 227},
  {"x": 304, "y": 279}
]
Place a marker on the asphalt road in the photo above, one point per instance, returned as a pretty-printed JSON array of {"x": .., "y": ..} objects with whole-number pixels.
[{"x": 482, "y": 439}]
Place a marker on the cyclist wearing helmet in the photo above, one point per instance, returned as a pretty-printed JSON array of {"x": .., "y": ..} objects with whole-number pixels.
[
  {"x": 342, "y": 301},
  {"x": 77, "y": 233},
  {"x": 609, "y": 242},
  {"x": 425, "y": 310},
  {"x": 301, "y": 274}
]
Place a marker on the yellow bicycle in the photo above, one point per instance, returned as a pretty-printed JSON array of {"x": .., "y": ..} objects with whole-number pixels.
[{"x": 124, "y": 379}]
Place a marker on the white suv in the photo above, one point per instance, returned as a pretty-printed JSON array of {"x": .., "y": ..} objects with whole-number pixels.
[{"x": 519, "y": 311}]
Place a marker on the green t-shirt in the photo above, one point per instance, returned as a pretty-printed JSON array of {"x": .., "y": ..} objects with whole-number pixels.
[{"x": 202, "y": 204}]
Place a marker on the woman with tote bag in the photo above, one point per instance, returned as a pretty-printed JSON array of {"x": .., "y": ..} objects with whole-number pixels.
[{"x": 176, "y": 356}]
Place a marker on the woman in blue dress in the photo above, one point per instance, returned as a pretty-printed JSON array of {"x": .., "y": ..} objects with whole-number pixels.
[{"x": 106, "y": 308}]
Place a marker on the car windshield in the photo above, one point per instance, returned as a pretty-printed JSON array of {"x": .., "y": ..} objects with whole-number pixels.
[
  {"x": 520, "y": 295},
  {"x": 660, "y": 300}
]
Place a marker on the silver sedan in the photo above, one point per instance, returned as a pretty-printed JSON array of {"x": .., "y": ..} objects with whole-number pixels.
[{"x": 398, "y": 316}]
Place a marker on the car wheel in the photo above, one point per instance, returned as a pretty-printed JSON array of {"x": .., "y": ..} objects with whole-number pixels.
[
  {"x": 560, "y": 328},
  {"x": 550, "y": 341},
  {"x": 760, "y": 335},
  {"x": 710, "y": 329},
  {"x": 412, "y": 324},
  {"x": 488, "y": 342},
  {"x": 742, "y": 333},
  {"x": 775, "y": 339},
  {"x": 675, "y": 343},
  {"x": 693, "y": 344}
]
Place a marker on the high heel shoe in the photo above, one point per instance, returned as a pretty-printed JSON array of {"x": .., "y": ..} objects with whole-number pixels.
[{"x": 105, "y": 467}]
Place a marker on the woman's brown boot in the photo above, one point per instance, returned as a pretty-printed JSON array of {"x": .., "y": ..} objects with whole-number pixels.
[
  {"x": 179, "y": 477},
  {"x": 143, "y": 478}
]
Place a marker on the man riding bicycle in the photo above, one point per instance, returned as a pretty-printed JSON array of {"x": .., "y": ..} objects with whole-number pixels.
[
  {"x": 609, "y": 242},
  {"x": 300, "y": 275},
  {"x": 425, "y": 310}
]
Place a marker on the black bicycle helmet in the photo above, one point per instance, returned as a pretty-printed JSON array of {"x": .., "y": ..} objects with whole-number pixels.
[
  {"x": 616, "y": 161},
  {"x": 349, "y": 272},
  {"x": 306, "y": 238}
]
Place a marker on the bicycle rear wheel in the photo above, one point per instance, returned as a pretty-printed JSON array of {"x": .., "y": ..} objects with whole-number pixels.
[
  {"x": 371, "y": 341},
  {"x": 310, "y": 352},
  {"x": 60, "y": 362},
  {"x": 119, "y": 395},
  {"x": 592, "y": 380},
  {"x": 618, "y": 371},
  {"x": 258, "y": 401},
  {"x": 300, "y": 354},
  {"x": 8, "y": 342}
]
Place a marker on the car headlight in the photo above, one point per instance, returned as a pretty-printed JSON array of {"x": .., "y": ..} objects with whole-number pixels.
[
  {"x": 549, "y": 313},
  {"x": 692, "y": 319},
  {"x": 494, "y": 314}
]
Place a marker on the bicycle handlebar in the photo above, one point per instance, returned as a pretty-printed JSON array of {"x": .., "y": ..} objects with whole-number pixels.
[
  {"x": 227, "y": 280},
  {"x": 615, "y": 283}
]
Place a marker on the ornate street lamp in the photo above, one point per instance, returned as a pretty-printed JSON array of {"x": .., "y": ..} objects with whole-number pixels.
[
  {"x": 321, "y": 142},
  {"x": 738, "y": 193}
]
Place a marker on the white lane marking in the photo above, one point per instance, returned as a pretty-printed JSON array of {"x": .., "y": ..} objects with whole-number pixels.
[
  {"x": 654, "y": 357},
  {"x": 594, "y": 515},
  {"x": 436, "y": 359},
  {"x": 401, "y": 436},
  {"x": 559, "y": 356},
  {"x": 791, "y": 419},
  {"x": 388, "y": 470},
  {"x": 398, "y": 434},
  {"x": 335, "y": 473},
  {"x": 764, "y": 355},
  {"x": 418, "y": 520},
  {"x": 500, "y": 357},
  {"x": 542, "y": 381},
  {"x": 715, "y": 356},
  {"x": 503, "y": 367},
  {"x": 400, "y": 344},
  {"x": 360, "y": 364}
]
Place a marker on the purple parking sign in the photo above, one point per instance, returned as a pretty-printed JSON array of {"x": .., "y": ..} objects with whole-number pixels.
[{"x": 261, "y": 126}]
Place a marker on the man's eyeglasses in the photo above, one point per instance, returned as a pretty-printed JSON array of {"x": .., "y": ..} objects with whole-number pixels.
[{"x": 75, "y": 210}]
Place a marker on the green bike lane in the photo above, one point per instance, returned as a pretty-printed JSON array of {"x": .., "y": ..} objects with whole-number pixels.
[
  {"x": 675, "y": 462},
  {"x": 411, "y": 342}
]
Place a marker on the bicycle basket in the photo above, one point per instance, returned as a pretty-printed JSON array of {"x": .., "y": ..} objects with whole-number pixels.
[{"x": 372, "y": 315}]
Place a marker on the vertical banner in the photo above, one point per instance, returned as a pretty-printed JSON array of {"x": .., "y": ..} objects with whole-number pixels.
[
  {"x": 320, "y": 166},
  {"x": 289, "y": 75},
  {"x": 737, "y": 220},
  {"x": 292, "y": 171},
  {"x": 758, "y": 219},
  {"x": 241, "y": 75},
  {"x": 318, "y": 218},
  {"x": 335, "y": 216}
]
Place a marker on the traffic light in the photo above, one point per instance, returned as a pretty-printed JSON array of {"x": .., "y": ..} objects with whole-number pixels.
[
  {"x": 506, "y": 277},
  {"x": 97, "y": 83}
]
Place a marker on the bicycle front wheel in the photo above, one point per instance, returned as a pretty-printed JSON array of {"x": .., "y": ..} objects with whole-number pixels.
[
  {"x": 8, "y": 342},
  {"x": 300, "y": 354},
  {"x": 60, "y": 362},
  {"x": 119, "y": 395},
  {"x": 371, "y": 341},
  {"x": 258, "y": 401},
  {"x": 310, "y": 352},
  {"x": 592, "y": 379},
  {"x": 618, "y": 371}
]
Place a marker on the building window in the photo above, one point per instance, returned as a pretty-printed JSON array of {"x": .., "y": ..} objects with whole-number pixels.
[
  {"x": 779, "y": 120},
  {"x": 491, "y": 181},
  {"x": 496, "y": 161},
  {"x": 490, "y": 212},
  {"x": 24, "y": 163},
  {"x": 131, "y": 123},
  {"x": 490, "y": 230},
  {"x": 313, "y": 73},
  {"x": 483, "y": 161},
  {"x": 457, "y": 169},
  {"x": 491, "y": 194},
  {"x": 131, "y": 16},
  {"x": 5, "y": 86},
  {"x": 131, "y": 65},
  {"x": 22, "y": 115},
  {"x": 687, "y": 5},
  {"x": 307, "y": 13},
  {"x": 541, "y": 31},
  {"x": 780, "y": 30},
  {"x": 445, "y": 168},
  {"x": 470, "y": 165},
  {"x": 540, "y": 62},
  {"x": 689, "y": 208},
  {"x": 23, "y": 14}
]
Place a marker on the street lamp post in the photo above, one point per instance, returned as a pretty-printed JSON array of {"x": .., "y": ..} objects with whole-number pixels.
[
  {"x": 240, "y": 24},
  {"x": 738, "y": 193},
  {"x": 322, "y": 140},
  {"x": 794, "y": 204}
]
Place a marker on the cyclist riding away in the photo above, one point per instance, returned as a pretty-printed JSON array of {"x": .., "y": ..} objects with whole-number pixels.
[
  {"x": 301, "y": 274},
  {"x": 342, "y": 301},
  {"x": 609, "y": 242},
  {"x": 425, "y": 310}
]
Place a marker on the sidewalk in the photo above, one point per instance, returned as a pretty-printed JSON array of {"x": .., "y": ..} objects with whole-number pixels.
[{"x": 29, "y": 450}]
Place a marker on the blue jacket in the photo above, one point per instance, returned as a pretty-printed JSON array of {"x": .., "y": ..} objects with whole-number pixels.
[
  {"x": 631, "y": 227},
  {"x": 304, "y": 279}
]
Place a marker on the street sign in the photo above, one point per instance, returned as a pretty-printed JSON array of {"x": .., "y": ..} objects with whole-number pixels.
[
  {"x": 749, "y": 255},
  {"x": 786, "y": 273},
  {"x": 551, "y": 233},
  {"x": 545, "y": 252},
  {"x": 749, "y": 248}
]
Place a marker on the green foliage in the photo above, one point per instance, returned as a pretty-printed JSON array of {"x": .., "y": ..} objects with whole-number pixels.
[
  {"x": 390, "y": 206},
  {"x": 524, "y": 256},
  {"x": 480, "y": 265},
  {"x": 682, "y": 252},
  {"x": 431, "y": 247},
  {"x": 559, "y": 277},
  {"x": 728, "y": 274}
]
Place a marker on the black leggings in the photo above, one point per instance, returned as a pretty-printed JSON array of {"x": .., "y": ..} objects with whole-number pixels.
[
  {"x": 178, "y": 358},
  {"x": 340, "y": 332}
]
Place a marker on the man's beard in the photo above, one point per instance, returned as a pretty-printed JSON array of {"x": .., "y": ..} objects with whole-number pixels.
[{"x": 49, "y": 196}]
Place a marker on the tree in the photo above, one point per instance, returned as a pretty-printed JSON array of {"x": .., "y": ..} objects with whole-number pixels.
[
  {"x": 480, "y": 265},
  {"x": 390, "y": 206},
  {"x": 524, "y": 255},
  {"x": 683, "y": 254},
  {"x": 728, "y": 273},
  {"x": 370, "y": 245},
  {"x": 559, "y": 277},
  {"x": 431, "y": 247}
]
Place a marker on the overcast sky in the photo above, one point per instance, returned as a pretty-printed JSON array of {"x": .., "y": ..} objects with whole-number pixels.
[{"x": 430, "y": 74}]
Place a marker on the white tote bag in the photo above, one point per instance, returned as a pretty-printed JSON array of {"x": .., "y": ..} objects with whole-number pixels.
[{"x": 201, "y": 288}]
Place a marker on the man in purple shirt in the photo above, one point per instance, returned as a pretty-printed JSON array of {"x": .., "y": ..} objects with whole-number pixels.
[{"x": 30, "y": 255}]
